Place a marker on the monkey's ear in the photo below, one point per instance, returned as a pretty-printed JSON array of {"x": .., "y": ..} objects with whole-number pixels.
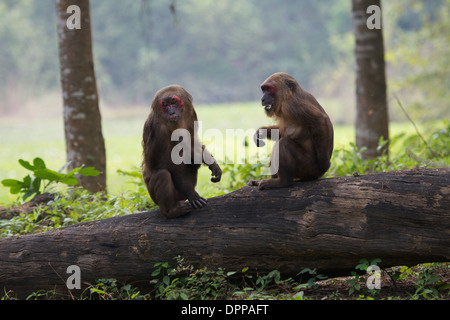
[
  {"x": 188, "y": 96},
  {"x": 290, "y": 84}
]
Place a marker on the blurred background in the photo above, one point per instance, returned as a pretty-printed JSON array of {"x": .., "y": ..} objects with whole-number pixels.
[{"x": 222, "y": 50}]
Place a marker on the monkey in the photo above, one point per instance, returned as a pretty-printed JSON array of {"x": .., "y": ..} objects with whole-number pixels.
[
  {"x": 170, "y": 182},
  {"x": 305, "y": 145}
]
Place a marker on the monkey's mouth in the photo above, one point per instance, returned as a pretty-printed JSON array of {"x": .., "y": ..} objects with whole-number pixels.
[{"x": 268, "y": 107}]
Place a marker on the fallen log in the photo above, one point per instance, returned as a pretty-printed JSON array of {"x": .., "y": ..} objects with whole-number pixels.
[{"x": 401, "y": 217}]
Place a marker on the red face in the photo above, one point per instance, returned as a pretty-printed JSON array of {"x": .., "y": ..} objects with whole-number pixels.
[
  {"x": 172, "y": 106},
  {"x": 268, "y": 98}
]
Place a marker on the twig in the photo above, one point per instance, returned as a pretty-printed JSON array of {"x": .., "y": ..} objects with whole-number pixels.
[
  {"x": 61, "y": 279},
  {"x": 414, "y": 124}
]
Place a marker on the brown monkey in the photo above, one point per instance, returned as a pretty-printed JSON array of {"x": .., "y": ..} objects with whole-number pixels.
[
  {"x": 170, "y": 173},
  {"x": 305, "y": 143}
]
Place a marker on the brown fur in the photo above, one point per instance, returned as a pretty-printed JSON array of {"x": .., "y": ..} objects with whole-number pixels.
[
  {"x": 305, "y": 131},
  {"x": 169, "y": 184}
]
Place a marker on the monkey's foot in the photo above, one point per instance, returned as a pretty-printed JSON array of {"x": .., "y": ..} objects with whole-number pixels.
[
  {"x": 253, "y": 183},
  {"x": 271, "y": 183},
  {"x": 180, "y": 209},
  {"x": 198, "y": 203}
]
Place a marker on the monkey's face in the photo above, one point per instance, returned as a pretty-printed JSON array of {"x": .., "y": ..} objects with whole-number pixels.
[
  {"x": 172, "y": 107},
  {"x": 278, "y": 90},
  {"x": 268, "y": 100}
]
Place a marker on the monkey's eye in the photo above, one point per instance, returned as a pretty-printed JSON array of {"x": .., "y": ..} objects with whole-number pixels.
[
  {"x": 173, "y": 101},
  {"x": 268, "y": 89},
  {"x": 164, "y": 103}
]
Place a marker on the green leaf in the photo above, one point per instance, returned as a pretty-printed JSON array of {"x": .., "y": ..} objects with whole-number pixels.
[
  {"x": 307, "y": 270},
  {"x": 39, "y": 163},
  {"x": 90, "y": 171},
  {"x": 375, "y": 261},
  {"x": 98, "y": 291},
  {"x": 134, "y": 174},
  {"x": 184, "y": 296},
  {"x": 49, "y": 175},
  {"x": 27, "y": 182},
  {"x": 70, "y": 181},
  {"x": 71, "y": 173},
  {"x": 363, "y": 264},
  {"x": 156, "y": 272},
  {"x": 12, "y": 183},
  {"x": 36, "y": 184},
  {"x": 15, "y": 190},
  {"x": 26, "y": 165}
]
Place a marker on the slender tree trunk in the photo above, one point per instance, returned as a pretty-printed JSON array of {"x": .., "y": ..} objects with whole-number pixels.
[
  {"x": 371, "y": 103},
  {"x": 82, "y": 119}
]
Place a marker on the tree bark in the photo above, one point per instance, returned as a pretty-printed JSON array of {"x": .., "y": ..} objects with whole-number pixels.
[
  {"x": 371, "y": 103},
  {"x": 82, "y": 119},
  {"x": 400, "y": 217}
]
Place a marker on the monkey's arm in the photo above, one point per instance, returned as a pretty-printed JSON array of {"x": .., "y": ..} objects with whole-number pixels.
[
  {"x": 263, "y": 133},
  {"x": 209, "y": 160}
]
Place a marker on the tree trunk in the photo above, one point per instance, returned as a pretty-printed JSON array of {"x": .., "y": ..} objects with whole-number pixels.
[
  {"x": 371, "y": 103},
  {"x": 400, "y": 217},
  {"x": 82, "y": 119}
]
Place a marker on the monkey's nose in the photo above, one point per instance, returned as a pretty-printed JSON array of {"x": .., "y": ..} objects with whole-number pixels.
[{"x": 171, "y": 111}]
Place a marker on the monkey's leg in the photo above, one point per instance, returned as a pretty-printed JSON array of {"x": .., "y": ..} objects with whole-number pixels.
[
  {"x": 165, "y": 195},
  {"x": 185, "y": 184},
  {"x": 283, "y": 162}
]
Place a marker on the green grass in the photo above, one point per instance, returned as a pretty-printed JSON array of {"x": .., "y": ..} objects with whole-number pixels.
[{"x": 44, "y": 137}]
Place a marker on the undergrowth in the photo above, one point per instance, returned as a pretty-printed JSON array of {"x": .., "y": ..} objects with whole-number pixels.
[{"x": 181, "y": 281}]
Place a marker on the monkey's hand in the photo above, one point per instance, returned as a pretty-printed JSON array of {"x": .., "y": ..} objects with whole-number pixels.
[
  {"x": 216, "y": 172},
  {"x": 258, "y": 137}
]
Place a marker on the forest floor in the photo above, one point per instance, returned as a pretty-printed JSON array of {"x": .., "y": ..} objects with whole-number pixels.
[{"x": 417, "y": 285}]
